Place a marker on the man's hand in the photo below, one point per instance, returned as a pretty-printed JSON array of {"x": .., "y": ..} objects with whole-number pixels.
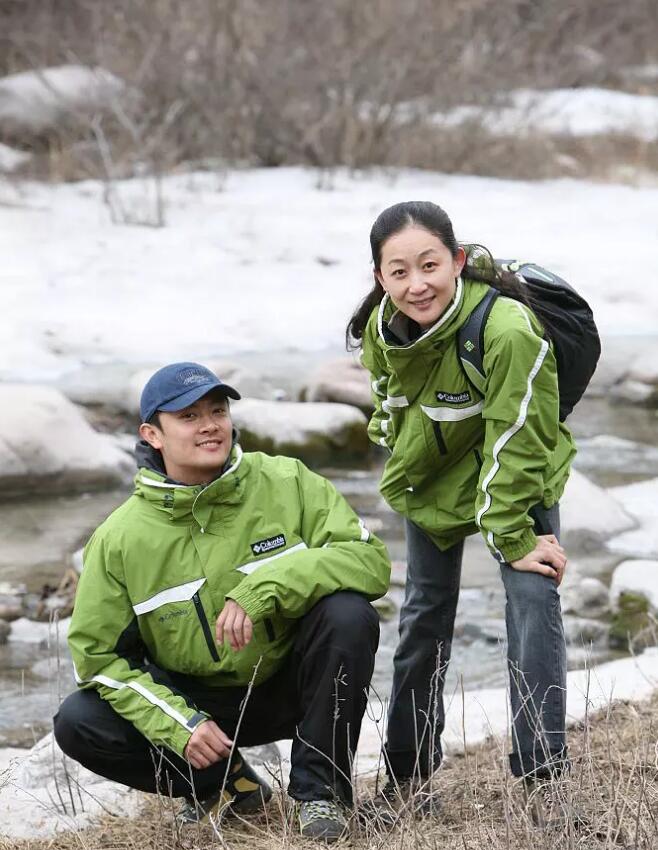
[
  {"x": 547, "y": 558},
  {"x": 207, "y": 745},
  {"x": 234, "y": 625}
]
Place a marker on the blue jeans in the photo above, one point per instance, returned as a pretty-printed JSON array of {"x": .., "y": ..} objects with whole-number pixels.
[{"x": 536, "y": 655}]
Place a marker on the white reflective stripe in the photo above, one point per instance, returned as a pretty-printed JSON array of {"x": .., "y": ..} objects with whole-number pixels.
[
  {"x": 382, "y": 442},
  {"x": 452, "y": 414},
  {"x": 180, "y": 593},
  {"x": 502, "y": 441},
  {"x": 249, "y": 568},
  {"x": 394, "y": 401},
  {"x": 444, "y": 318},
  {"x": 140, "y": 689},
  {"x": 384, "y": 425},
  {"x": 365, "y": 534},
  {"x": 378, "y": 384}
]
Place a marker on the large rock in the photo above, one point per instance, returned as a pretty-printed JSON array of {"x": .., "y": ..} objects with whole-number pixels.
[
  {"x": 42, "y": 103},
  {"x": 639, "y": 578},
  {"x": 640, "y": 500},
  {"x": 640, "y": 383},
  {"x": 589, "y": 515},
  {"x": 316, "y": 433},
  {"x": 584, "y": 597},
  {"x": 344, "y": 381},
  {"x": 46, "y": 446}
]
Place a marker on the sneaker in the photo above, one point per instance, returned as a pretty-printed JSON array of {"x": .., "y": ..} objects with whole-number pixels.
[
  {"x": 244, "y": 793},
  {"x": 322, "y": 820},
  {"x": 549, "y": 806}
]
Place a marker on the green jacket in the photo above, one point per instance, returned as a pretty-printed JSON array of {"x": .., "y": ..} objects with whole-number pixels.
[
  {"x": 268, "y": 533},
  {"x": 462, "y": 459}
]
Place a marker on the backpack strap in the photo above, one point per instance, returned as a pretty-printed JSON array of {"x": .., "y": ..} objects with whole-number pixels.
[{"x": 470, "y": 341}]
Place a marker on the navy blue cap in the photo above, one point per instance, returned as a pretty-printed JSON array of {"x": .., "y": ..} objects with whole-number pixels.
[{"x": 177, "y": 386}]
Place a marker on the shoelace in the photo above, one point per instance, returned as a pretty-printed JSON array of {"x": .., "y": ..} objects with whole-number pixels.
[{"x": 316, "y": 809}]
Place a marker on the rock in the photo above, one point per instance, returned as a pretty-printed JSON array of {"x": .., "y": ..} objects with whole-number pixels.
[
  {"x": 631, "y": 623},
  {"x": 644, "y": 368},
  {"x": 585, "y": 597},
  {"x": 43, "y": 634},
  {"x": 639, "y": 578},
  {"x": 635, "y": 392},
  {"x": 330, "y": 434},
  {"x": 385, "y": 607},
  {"x": 589, "y": 515},
  {"x": 9, "y": 612},
  {"x": 344, "y": 381},
  {"x": 640, "y": 500},
  {"x": 580, "y": 631},
  {"x": 5, "y": 628},
  {"x": 48, "y": 101},
  {"x": 46, "y": 446}
]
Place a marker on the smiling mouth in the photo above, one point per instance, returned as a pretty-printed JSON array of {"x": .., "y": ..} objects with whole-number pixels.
[
  {"x": 209, "y": 444},
  {"x": 423, "y": 302}
]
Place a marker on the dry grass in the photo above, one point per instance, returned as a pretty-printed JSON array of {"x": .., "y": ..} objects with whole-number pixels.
[{"x": 614, "y": 782}]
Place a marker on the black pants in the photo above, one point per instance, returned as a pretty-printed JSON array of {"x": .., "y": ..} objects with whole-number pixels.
[{"x": 318, "y": 699}]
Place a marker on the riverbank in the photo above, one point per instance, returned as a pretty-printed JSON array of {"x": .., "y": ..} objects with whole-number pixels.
[{"x": 614, "y": 782}]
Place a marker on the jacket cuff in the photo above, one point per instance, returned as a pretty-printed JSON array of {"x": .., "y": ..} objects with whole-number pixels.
[
  {"x": 520, "y": 547},
  {"x": 181, "y": 736},
  {"x": 246, "y": 597}
]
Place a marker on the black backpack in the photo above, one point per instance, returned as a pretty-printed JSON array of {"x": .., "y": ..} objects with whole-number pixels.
[{"x": 569, "y": 323}]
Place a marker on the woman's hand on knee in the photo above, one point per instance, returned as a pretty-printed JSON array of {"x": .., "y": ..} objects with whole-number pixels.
[{"x": 547, "y": 558}]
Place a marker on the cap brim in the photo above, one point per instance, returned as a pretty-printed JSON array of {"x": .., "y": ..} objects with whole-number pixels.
[{"x": 198, "y": 392}]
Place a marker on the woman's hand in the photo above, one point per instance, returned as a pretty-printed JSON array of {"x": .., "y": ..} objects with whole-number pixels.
[
  {"x": 234, "y": 625},
  {"x": 547, "y": 558}
]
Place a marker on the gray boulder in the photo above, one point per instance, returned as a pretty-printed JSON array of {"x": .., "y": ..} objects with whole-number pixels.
[
  {"x": 46, "y": 446},
  {"x": 584, "y": 597},
  {"x": 343, "y": 380},
  {"x": 317, "y": 433},
  {"x": 590, "y": 515}
]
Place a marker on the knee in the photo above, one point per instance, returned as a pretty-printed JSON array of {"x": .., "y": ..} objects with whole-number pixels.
[
  {"x": 531, "y": 596},
  {"x": 67, "y": 726},
  {"x": 350, "y": 616}
]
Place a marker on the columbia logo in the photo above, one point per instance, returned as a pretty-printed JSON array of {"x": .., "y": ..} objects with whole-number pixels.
[
  {"x": 268, "y": 544},
  {"x": 468, "y": 345}
]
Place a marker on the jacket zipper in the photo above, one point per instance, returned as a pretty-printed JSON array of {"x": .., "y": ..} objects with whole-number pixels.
[
  {"x": 269, "y": 628},
  {"x": 205, "y": 627},
  {"x": 441, "y": 443}
]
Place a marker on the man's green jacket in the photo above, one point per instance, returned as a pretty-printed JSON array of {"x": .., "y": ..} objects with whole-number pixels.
[
  {"x": 462, "y": 459},
  {"x": 268, "y": 533}
]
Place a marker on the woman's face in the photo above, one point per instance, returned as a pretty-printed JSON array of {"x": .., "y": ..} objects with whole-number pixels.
[{"x": 419, "y": 273}]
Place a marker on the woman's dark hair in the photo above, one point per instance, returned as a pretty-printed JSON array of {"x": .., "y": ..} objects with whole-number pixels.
[{"x": 434, "y": 219}]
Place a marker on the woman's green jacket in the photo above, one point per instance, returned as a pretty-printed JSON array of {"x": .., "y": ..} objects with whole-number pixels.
[{"x": 459, "y": 459}]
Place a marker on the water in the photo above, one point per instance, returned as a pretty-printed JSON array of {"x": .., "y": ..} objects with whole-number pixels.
[{"x": 38, "y": 537}]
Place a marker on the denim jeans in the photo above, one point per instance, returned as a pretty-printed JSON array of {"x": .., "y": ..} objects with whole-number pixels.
[{"x": 536, "y": 657}]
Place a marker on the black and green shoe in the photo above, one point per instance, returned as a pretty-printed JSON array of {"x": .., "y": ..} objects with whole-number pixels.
[{"x": 244, "y": 793}]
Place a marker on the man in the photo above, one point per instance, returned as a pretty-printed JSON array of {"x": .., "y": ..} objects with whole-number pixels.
[{"x": 224, "y": 603}]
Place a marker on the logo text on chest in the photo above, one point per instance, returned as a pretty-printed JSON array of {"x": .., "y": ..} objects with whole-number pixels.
[
  {"x": 454, "y": 398},
  {"x": 269, "y": 544}
]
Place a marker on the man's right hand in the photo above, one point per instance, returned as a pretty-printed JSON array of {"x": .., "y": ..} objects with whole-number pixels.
[{"x": 207, "y": 745}]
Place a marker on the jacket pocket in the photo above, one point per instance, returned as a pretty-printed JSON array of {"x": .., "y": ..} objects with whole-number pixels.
[
  {"x": 440, "y": 442},
  {"x": 188, "y": 593}
]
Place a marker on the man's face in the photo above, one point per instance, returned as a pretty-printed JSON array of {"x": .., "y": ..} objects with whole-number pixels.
[{"x": 195, "y": 441}]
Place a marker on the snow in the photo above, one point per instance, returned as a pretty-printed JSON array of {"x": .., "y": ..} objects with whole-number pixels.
[
  {"x": 37, "y": 101},
  {"x": 574, "y": 112},
  {"x": 270, "y": 262},
  {"x": 637, "y": 577},
  {"x": 11, "y": 159},
  {"x": 641, "y": 502}
]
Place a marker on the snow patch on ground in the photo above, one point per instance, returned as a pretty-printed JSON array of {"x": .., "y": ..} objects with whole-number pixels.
[
  {"x": 271, "y": 262},
  {"x": 641, "y": 502},
  {"x": 571, "y": 112}
]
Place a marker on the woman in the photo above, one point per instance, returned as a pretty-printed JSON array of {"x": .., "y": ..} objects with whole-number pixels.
[{"x": 460, "y": 460}]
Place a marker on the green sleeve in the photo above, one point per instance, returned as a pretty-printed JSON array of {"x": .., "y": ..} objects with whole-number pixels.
[
  {"x": 373, "y": 360},
  {"x": 108, "y": 654},
  {"x": 521, "y": 415},
  {"x": 339, "y": 554}
]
